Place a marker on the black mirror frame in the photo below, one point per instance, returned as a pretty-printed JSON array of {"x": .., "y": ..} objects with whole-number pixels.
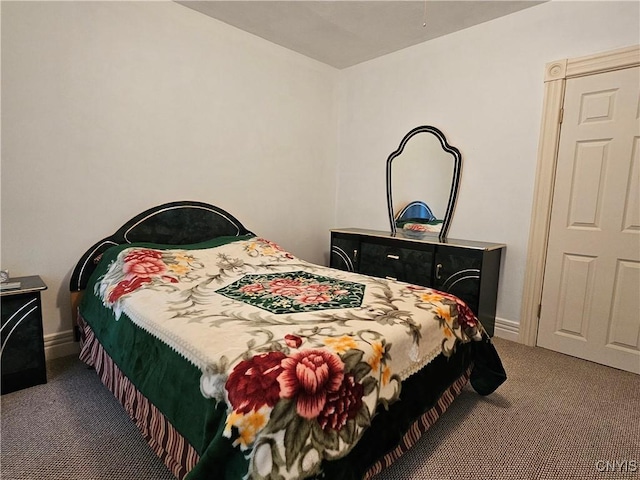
[{"x": 455, "y": 181}]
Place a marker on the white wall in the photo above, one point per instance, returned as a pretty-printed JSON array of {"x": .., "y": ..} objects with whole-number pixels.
[
  {"x": 483, "y": 87},
  {"x": 109, "y": 108}
]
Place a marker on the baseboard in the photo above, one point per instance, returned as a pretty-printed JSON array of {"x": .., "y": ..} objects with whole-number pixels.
[
  {"x": 507, "y": 329},
  {"x": 60, "y": 344}
]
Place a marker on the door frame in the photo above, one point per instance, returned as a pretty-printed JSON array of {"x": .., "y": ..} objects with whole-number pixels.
[{"x": 556, "y": 75}]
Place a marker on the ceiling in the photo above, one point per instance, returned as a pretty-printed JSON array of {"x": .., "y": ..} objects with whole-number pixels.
[{"x": 343, "y": 33}]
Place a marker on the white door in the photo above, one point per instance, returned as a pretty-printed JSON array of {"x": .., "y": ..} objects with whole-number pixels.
[{"x": 591, "y": 292}]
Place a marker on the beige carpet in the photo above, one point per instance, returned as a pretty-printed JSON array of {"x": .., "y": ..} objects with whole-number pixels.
[{"x": 555, "y": 418}]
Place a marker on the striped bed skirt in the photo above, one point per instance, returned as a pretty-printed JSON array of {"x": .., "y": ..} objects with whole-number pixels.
[{"x": 173, "y": 449}]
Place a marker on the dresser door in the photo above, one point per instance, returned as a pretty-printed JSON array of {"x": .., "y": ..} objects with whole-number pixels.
[
  {"x": 457, "y": 272},
  {"x": 22, "y": 355},
  {"x": 345, "y": 252}
]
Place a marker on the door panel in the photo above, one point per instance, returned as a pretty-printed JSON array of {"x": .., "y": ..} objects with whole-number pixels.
[
  {"x": 624, "y": 328},
  {"x": 631, "y": 222},
  {"x": 576, "y": 288},
  {"x": 585, "y": 209},
  {"x": 590, "y": 302}
]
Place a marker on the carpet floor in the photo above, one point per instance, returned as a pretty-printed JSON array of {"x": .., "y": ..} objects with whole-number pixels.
[{"x": 555, "y": 418}]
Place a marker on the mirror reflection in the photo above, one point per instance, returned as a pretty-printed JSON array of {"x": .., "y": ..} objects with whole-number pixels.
[{"x": 422, "y": 182}]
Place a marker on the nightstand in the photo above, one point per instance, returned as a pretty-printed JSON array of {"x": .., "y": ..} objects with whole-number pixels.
[{"x": 22, "y": 353}]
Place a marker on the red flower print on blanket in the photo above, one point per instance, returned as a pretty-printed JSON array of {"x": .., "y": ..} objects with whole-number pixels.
[
  {"x": 310, "y": 376},
  {"x": 144, "y": 267},
  {"x": 253, "y": 383},
  {"x": 343, "y": 405},
  {"x": 127, "y": 286},
  {"x": 144, "y": 263},
  {"x": 140, "y": 265},
  {"x": 314, "y": 395}
]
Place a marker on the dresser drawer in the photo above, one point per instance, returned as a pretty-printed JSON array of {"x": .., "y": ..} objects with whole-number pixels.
[{"x": 397, "y": 263}]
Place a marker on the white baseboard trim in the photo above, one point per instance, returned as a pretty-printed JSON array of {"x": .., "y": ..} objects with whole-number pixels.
[
  {"x": 60, "y": 344},
  {"x": 507, "y": 329}
]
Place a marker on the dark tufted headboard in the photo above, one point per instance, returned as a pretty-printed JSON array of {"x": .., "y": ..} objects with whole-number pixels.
[{"x": 175, "y": 223}]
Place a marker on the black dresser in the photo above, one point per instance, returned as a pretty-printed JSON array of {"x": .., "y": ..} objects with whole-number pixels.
[
  {"x": 467, "y": 269},
  {"x": 22, "y": 355}
]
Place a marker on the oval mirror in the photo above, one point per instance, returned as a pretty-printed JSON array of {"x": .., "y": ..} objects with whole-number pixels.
[{"x": 422, "y": 183}]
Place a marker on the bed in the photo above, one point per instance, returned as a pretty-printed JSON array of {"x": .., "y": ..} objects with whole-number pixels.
[{"x": 237, "y": 359}]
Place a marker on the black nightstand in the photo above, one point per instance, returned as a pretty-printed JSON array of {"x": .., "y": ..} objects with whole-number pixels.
[{"x": 22, "y": 354}]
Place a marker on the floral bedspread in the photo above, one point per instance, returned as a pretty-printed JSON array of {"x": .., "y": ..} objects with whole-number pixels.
[{"x": 301, "y": 354}]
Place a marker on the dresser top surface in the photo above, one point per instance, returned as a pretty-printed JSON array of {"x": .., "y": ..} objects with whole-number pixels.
[{"x": 430, "y": 239}]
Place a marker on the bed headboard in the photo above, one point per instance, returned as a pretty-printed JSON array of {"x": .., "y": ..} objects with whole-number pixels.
[{"x": 175, "y": 223}]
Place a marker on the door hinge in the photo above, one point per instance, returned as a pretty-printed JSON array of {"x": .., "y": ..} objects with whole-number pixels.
[
  {"x": 561, "y": 117},
  {"x": 539, "y": 309}
]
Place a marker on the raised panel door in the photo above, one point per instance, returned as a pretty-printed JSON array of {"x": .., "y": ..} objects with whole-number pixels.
[{"x": 590, "y": 302}]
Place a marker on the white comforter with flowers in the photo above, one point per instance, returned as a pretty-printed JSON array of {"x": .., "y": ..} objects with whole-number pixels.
[{"x": 301, "y": 354}]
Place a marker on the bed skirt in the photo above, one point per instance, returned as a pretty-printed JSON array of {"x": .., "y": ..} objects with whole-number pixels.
[
  {"x": 420, "y": 426},
  {"x": 179, "y": 456},
  {"x": 176, "y": 453}
]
